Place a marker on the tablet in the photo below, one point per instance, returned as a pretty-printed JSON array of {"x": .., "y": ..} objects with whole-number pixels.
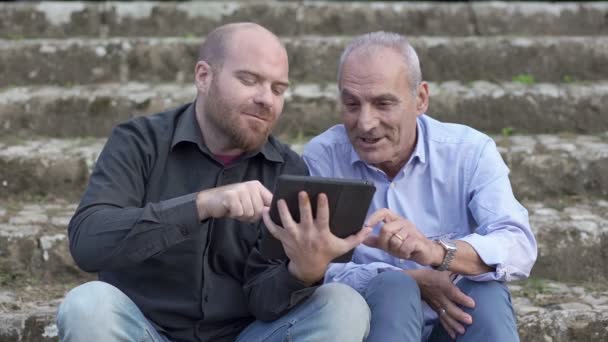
[{"x": 349, "y": 200}]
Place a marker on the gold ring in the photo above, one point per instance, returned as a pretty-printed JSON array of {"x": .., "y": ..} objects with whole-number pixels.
[{"x": 398, "y": 236}]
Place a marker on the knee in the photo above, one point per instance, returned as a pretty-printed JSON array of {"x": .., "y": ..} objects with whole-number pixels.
[
  {"x": 493, "y": 308},
  {"x": 346, "y": 308},
  {"x": 488, "y": 295},
  {"x": 395, "y": 282},
  {"x": 393, "y": 288},
  {"x": 90, "y": 302}
]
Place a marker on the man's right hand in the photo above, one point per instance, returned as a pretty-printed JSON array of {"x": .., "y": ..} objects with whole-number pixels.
[
  {"x": 240, "y": 201},
  {"x": 444, "y": 297},
  {"x": 310, "y": 244}
]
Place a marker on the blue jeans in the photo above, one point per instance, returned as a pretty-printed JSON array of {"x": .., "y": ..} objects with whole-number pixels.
[
  {"x": 395, "y": 303},
  {"x": 97, "y": 311}
]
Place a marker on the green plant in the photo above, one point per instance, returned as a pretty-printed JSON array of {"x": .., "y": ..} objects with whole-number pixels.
[
  {"x": 569, "y": 79},
  {"x": 524, "y": 79},
  {"x": 507, "y": 131},
  {"x": 15, "y": 37},
  {"x": 533, "y": 287}
]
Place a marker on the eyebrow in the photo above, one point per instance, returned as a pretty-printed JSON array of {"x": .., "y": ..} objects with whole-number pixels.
[
  {"x": 346, "y": 93},
  {"x": 246, "y": 72},
  {"x": 386, "y": 97},
  {"x": 382, "y": 97}
]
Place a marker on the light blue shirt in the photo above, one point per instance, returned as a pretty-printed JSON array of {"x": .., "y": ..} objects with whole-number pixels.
[{"x": 455, "y": 185}]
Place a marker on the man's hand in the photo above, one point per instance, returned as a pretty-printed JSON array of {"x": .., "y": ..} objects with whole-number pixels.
[
  {"x": 444, "y": 297},
  {"x": 402, "y": 239},
  {"x": 309, "y": 244},
  {"x": 241, "y": 201}
]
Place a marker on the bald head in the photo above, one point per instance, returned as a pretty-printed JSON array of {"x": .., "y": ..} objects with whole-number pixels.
[{"x": 218, "y": 43}]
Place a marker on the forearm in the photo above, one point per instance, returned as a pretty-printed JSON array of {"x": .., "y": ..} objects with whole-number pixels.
[
  {"x": 105, "y": 237},
  {"x": 466, "y": 261},
  {"x": 510, "y": 251}
]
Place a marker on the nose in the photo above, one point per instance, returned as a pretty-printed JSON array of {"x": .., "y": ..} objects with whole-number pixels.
[
  {"x": 367, "y": 119},
  {"x": 264, "y": 96}
]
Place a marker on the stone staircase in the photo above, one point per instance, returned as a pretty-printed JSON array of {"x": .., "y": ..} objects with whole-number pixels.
[{"x": 533, "y": 75}]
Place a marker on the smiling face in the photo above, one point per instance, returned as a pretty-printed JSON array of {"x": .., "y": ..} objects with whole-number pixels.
[
  {"x": 243, "y": 98},
  {"x": 379, "y": 108}
]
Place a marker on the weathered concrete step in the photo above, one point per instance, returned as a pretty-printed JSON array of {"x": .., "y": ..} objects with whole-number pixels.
[
  {"x": 541, "y": 165},
  {"x": 312, "y": 58},
  {"x": 561, "y": 312},
  {"x": 35, "y": 322},
  {"x": 34, "y": 244},
  {"x": 554, "y": 165},
  {"x": 309, "y": 109},
  {"x": 546, "y": 311},
  {"x": 572, "y": 234},
  {"x": 50, "y": 167},
  {"x": 295, "y": 18},
  {"x": 572, "y": 237}
]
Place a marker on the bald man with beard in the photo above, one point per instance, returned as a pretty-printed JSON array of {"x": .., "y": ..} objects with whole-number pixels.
[{"x": 172, "y": 216}]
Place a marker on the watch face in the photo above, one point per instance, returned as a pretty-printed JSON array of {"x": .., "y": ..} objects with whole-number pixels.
[{"x": 448, "y": 244}]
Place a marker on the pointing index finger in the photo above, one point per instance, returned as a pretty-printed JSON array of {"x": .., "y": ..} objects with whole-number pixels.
[
  {"x": 381, "y": 215},
  {"x": 266, "y": 196}
]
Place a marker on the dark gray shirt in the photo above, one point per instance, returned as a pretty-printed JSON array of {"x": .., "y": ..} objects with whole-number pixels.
[{"x": 137, "y": 225}]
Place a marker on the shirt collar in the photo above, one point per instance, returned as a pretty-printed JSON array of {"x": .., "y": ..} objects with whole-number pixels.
[
  {"x": 269, "y": 151},
  {"x": 419, "y": 151},
  {"x": 188, "y": 130}
]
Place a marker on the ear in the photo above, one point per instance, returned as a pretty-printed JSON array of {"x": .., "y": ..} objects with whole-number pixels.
[
  {"x": 422, "y": 98},
  {"x": 203, "y": 76}
]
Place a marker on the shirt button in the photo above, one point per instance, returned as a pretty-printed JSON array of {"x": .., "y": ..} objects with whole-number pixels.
[
  {"x": 206, "y": 298},
  {"x": 392, "y": 184}
]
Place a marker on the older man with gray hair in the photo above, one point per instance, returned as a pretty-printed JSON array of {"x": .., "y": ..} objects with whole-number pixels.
[{"x": 447, "y": 227}]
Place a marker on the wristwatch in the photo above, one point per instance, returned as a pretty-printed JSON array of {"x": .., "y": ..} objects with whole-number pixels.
[{"x": 450, "y": 250}]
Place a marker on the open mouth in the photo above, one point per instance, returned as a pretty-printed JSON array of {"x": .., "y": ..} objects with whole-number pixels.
[{"x": 369, "y": 141}]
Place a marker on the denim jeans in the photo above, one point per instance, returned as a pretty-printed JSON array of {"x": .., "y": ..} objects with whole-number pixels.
[
  {"x": 97, "y": 311},
  {"x": 394, "y": 300}
]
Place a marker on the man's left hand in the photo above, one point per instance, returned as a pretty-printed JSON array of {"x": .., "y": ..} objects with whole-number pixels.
[{"x": 437, "y": 289}]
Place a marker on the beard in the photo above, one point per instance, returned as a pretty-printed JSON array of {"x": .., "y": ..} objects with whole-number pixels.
[{"x": 227, "y": 117}]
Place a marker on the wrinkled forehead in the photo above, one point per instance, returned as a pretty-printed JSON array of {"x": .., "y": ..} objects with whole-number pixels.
[
  {"x": 372, "y": 60},
  {"x": 378, "y": 70}
]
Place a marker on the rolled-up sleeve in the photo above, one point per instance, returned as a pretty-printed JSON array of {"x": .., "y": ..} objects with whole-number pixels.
[{"x": 503, "y": 237}]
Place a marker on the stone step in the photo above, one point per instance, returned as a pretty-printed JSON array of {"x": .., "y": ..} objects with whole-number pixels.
[
  {"x": 27, "y": 314},
  {"x": 546, "y": 311},
  {"x": 312, "y": 58},
  {"x": 46, "y": 167},
  {"x": 309, "y": 109},
  {"x": 571, "y": 235},
  {"x": 560, "y": 312},
  {"x": 34, "y": 245},
  {"x": 59, "y": 20},
  {"x": 541, "y": 165}
]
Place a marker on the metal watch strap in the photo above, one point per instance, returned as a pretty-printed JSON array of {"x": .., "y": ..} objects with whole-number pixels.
[{"x": 450, "y": 251}]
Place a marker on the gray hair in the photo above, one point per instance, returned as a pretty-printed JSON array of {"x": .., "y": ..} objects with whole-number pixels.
[{"x": 395, "y": 41}]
